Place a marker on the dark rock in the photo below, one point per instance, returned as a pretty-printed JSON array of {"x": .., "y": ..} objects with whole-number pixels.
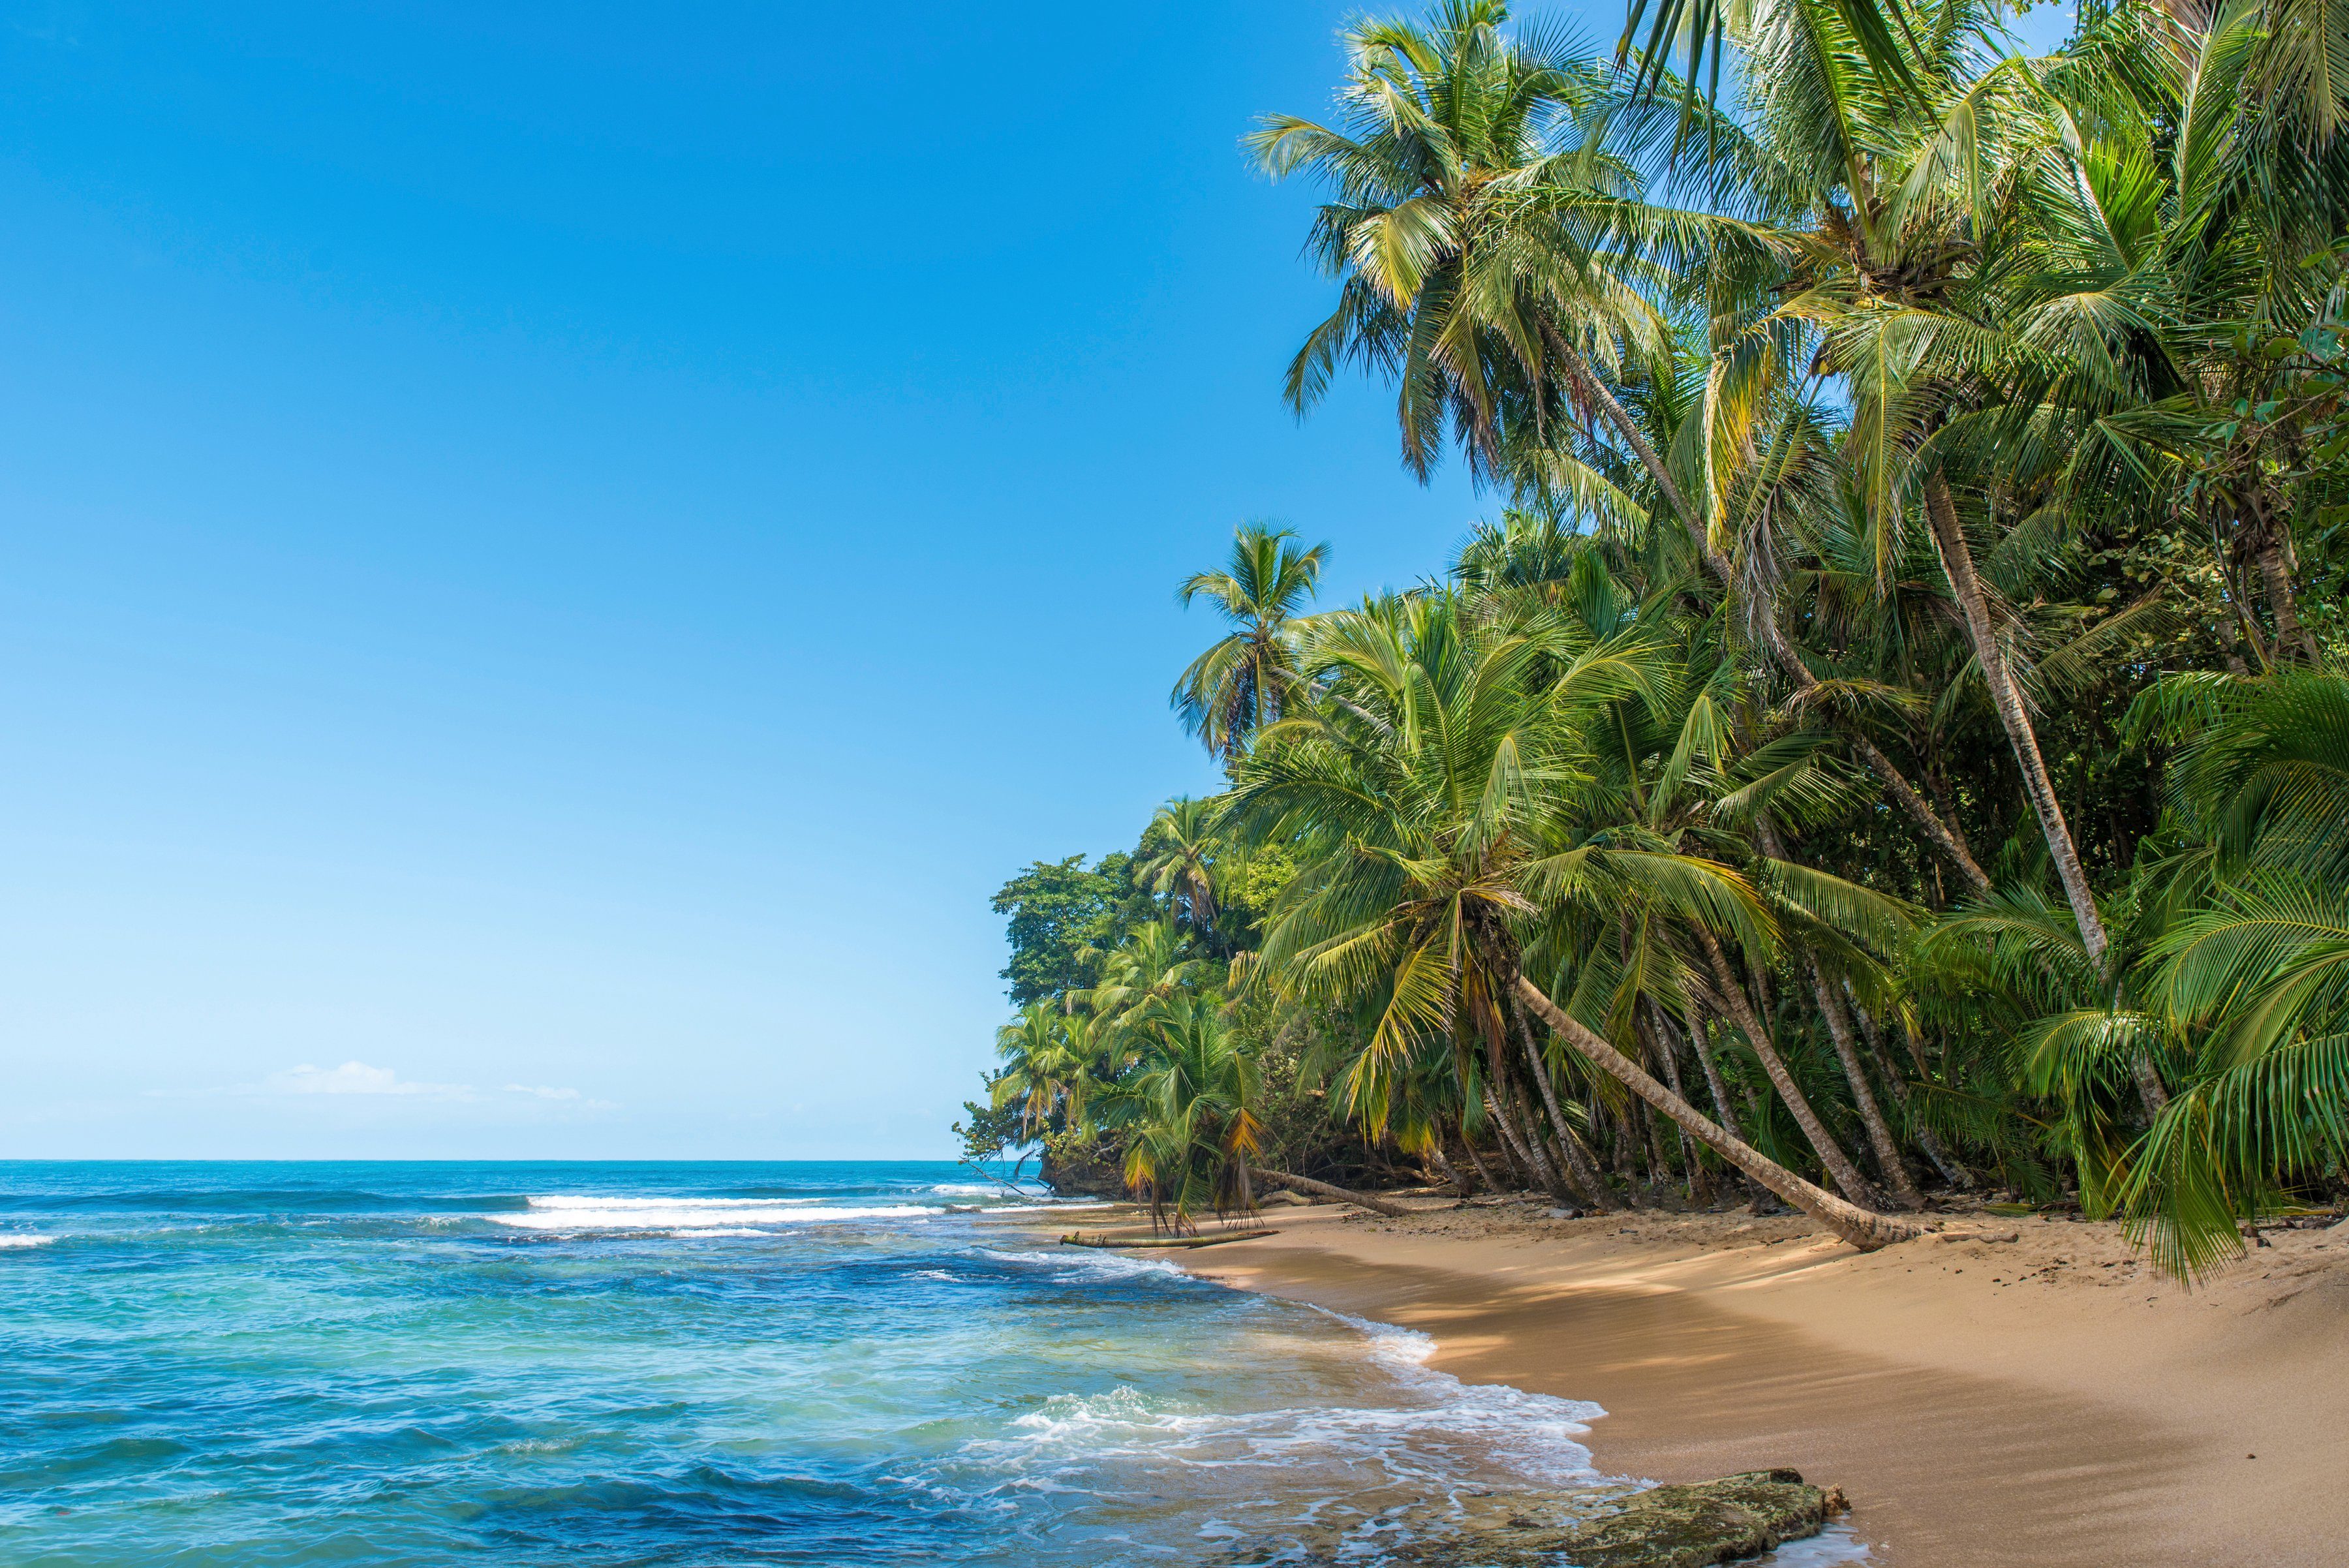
[
  {"x": 1718, "y": 1521},
  {"x": 1695, "y": 1526}
]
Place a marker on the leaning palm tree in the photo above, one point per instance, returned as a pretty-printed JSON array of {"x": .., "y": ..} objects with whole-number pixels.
[
  {"x": 1433, "y": 796},
  {"x": 1470, "y": 238},
  {"x": 1241, "y": 683}
]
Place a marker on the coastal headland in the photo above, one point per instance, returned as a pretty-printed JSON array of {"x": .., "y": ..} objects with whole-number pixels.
[{"x": 2007, "y": 1391}]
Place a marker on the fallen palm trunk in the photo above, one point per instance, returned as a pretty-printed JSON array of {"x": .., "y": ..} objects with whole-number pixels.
[
  {"x": 1212, "y": 1239},
  {"x": 1334, "y": 1194}
]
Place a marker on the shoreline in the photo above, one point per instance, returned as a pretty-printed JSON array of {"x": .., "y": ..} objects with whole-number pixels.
[{"x": 2008, "y": 1391}]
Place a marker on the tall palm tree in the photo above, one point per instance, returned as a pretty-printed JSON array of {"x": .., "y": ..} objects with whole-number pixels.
[
  {"x": 1154, "y": 970},
  {"x": 1241, "y": 684},
  {"x": 1501, "y": 269},
  {"x": 1464, "y": 274}
]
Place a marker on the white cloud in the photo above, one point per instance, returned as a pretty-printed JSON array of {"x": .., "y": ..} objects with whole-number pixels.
[
  {"x": 358, "y": 1079},
  {"x": 542, "y": 1091}
]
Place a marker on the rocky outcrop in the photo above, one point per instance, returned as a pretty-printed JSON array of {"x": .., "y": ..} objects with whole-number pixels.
[{"x": 1694, "y": 1526}]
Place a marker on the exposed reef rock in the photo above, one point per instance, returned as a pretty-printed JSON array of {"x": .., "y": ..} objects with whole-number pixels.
[{"x": 1693, "y": 1526}]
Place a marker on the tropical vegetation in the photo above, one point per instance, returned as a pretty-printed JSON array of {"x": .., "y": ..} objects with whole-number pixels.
[{"x": 1892, "y": 739}]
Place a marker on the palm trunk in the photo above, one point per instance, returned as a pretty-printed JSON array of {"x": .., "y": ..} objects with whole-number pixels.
[
  {"x": 1484, "y": 1177},
  {"x": 1312, "y": 1189},
  {"x": 1587, "y": 1174},
  {"x": 1936, "y": 831},
  {"x": 1451, "y": 1173},
  {"x": 2275, "y": 576},
  {"x": 1853, "y": 1224},
  {"x": 1839, "y": 1166},
  {"x": 1871, "y": 1116},
  {"x": 1957, "y": 564},
  {"x": 1701, "y": 1042},
  {"x": 1894, "y": 1168},
  {"x": 1666, "y": 1045},
  {"x": 1520, "y": 1169},
  {"x": 1531, "y": 1150},
  {"x": 1951, "y": 1171}
]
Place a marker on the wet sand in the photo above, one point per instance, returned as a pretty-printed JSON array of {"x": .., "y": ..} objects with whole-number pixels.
[{"x": 2040, "y": 1400}]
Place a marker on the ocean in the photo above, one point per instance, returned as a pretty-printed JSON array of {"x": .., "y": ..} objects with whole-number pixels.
[{"x": 258, "y": 1364}]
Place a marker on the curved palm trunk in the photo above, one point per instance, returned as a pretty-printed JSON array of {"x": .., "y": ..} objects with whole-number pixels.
[
  {"x": 1701, "y": 1042},
  {"x": 1953, "y": 1172},
  {"x": 1896, "y": 783},
  {"x": 1520, "y": 1169},
  {"x": 1839, "y": 1166},
  {"x": 1313, "y": 1188},
  {"x": 1477, "y": 1161},
  {"x": 1527, "y": 1149},
  {"x": 1460, "y": 1184},
  {"x": 1889, "y": 1162},
  {"x": 1587, "y": 1175},
  {"x": 1958, "y": 566},
  {"x": 1850, "y": 1222},
  {"x": 1665, "y": 1041},
  {"x": 1871, "y": 1114}
]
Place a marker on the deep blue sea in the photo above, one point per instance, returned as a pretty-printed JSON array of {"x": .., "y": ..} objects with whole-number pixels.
[{"x": 258, "y": 1364}]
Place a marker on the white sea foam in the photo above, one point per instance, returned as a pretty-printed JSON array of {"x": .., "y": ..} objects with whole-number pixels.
[
  {"x": 696, "y": 1216},
  {"x": 622, "y": 1205},
  {"x": 26, "y": 1241},
  {"x": 696, "y": 1233},
  {"x": 1091, "y": 1265},
  {"x": 1830, "y": 1548}
]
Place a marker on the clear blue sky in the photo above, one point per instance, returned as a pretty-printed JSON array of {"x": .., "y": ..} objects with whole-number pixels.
[
  {"x": 559, "y": 553},
  {"x": 555, "y": 555}
]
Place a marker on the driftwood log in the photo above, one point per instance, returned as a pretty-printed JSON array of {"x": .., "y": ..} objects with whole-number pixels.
[{"x": 1313, "y": 1188}]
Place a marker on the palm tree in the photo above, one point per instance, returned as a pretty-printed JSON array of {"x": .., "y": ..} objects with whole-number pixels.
[
  {"x": 1432, "y": 794},
  {"x": 1498, "y": 272},
  {"x": 1463, "y": 275},
  {"x": 1050, "y": 1063},
  {"x": 1183, "y": 865},
  {"x": 1241, "y": 684},
  {"x": 1191, "y": 1111},
  {"x": 1154, "y": 970}
]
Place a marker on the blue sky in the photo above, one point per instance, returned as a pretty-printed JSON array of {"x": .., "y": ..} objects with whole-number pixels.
[{"x": 555, "y": 555}]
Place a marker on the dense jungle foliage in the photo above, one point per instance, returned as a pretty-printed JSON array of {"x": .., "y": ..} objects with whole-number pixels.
[{"x": 1892, "y": 735}]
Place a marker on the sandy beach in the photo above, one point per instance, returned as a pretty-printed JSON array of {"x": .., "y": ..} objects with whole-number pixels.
[{"x": 2006, "y": 1391}]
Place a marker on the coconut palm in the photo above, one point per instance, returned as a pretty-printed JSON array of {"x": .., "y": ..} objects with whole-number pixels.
[
  {"x": 1191, "y": 1111},
  {"x": 1241, "y": 684},
  {"x": 1433, "y": 796},
  {"x": 1502, "y": 271},
  {"x": 1183, "y": 863},
  {"x": 1153, "y": 970},
  {"x": 1051, "y": 1060}
]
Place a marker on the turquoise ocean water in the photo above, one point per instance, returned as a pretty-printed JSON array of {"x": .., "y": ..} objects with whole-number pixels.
[{"x": 253, "y": 1365}]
